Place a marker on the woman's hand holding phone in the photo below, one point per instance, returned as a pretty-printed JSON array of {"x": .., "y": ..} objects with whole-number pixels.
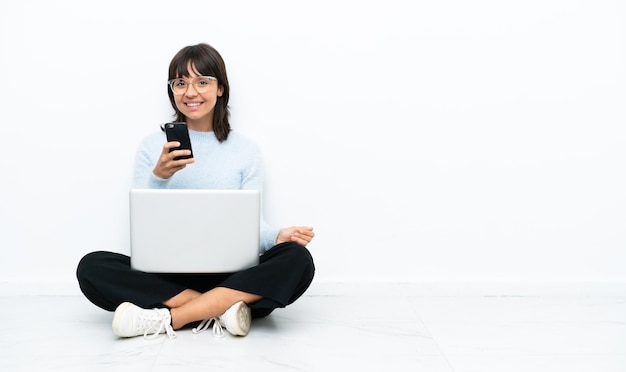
[{"x": 166, "y": 165}]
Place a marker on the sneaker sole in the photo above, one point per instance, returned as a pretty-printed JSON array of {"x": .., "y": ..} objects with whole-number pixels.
[
  {"x": 116, "y": 318},
  {"x": 243, "y": 321}
]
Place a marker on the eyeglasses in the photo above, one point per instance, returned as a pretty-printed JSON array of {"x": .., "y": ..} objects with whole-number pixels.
[{"x": 200, "y": 83}]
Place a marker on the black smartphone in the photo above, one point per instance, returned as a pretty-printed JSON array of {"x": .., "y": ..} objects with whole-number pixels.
[{"x": 179, "y": 132}]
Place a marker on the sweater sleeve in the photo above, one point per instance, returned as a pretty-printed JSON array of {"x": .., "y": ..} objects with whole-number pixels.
[
  {"x": 268, "y": 236},
  {"x": 143, "y": 176},
  {"x": 252, "y": 179}
]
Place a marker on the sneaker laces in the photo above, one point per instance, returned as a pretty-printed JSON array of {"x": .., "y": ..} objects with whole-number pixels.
[
  {"x": 162, "y": 320},
  {"x": 218, "y": 331}
]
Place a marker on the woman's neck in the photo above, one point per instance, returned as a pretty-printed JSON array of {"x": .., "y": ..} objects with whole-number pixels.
[{"x": 202, "y": 125}]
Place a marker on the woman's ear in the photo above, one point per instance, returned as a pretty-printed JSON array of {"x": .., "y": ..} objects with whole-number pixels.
[{"x": 220, "y": 90}]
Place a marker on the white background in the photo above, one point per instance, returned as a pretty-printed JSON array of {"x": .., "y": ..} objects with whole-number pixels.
[{"x": 426, "y": 141}]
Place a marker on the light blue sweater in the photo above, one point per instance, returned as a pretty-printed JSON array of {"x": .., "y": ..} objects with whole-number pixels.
[{"x": 232, "y": 164}]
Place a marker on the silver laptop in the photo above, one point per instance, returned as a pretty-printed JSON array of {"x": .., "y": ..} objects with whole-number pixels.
[{"x": 194, "y": 231}]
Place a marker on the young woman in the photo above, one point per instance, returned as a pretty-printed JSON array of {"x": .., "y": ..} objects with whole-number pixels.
[{"x": 149, "y": 304}]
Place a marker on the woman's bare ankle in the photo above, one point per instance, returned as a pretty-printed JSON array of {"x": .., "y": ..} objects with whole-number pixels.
[{"x": 182, "y": 298}]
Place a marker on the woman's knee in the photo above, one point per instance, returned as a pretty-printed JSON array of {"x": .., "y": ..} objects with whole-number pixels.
[
  {"x": 86, "y": 264},
  {"x": 94, "y": 263},
  {"x": 301, "y": 257},
  {"x": 292, "y": 250}
]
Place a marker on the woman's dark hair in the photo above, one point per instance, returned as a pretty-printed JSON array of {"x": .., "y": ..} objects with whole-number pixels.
[{"x": 207, "y": 61}]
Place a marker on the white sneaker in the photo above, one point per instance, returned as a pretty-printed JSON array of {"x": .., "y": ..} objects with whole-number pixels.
[
  {"x": 130, "y": 320},
  {"x": 236, "y": 319}
]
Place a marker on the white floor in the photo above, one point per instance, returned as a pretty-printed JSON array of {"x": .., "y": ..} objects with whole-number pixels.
[{"x": 334, "y": 333}]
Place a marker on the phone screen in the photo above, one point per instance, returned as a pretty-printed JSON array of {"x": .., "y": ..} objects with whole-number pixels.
[{"x": 179, "y": 132}]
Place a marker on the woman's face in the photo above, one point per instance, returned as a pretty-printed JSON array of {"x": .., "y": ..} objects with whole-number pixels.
[{"x": 197, "y": 107}]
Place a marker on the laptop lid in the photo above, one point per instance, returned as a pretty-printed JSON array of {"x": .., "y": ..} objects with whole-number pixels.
[{"x": 194, "y": 231}]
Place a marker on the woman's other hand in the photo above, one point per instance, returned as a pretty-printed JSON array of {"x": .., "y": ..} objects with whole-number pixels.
[{"x": 297, "y": 234}]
